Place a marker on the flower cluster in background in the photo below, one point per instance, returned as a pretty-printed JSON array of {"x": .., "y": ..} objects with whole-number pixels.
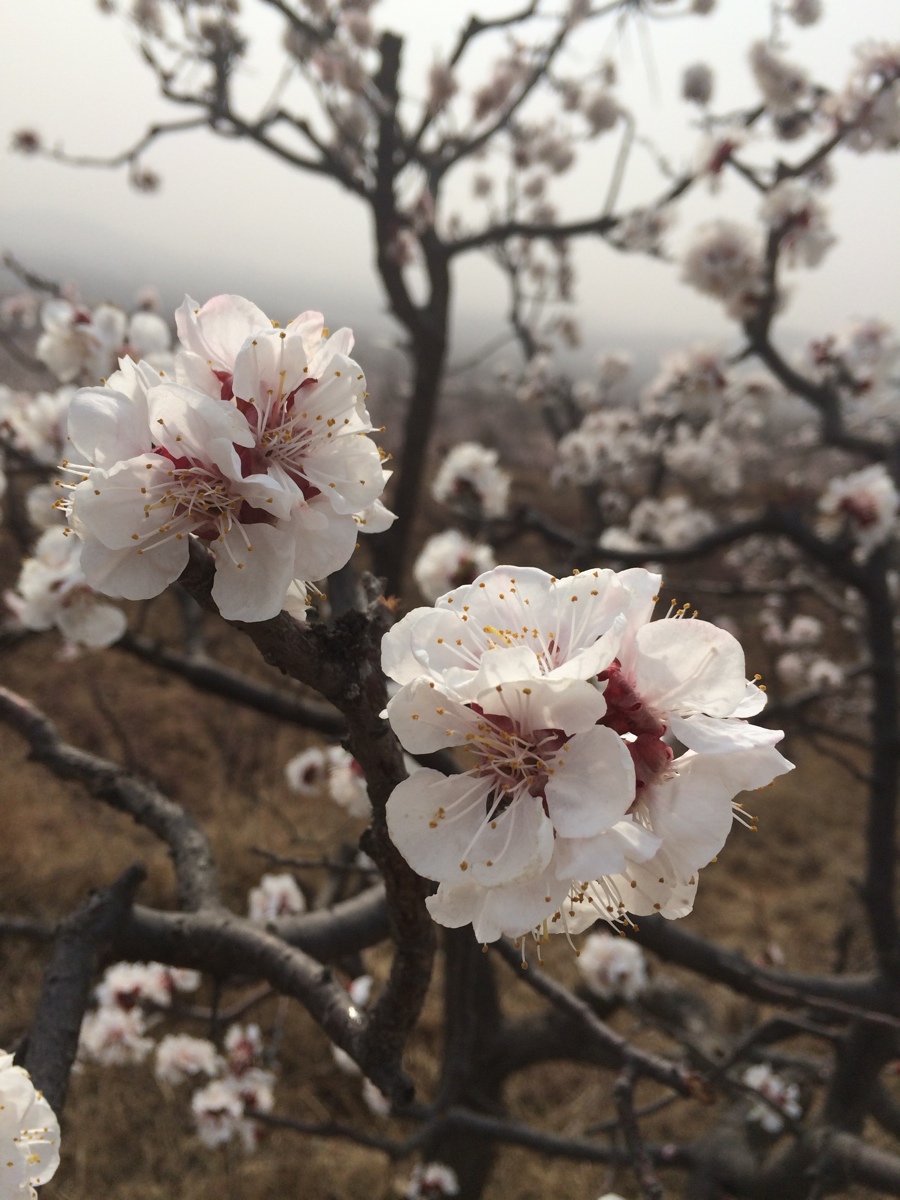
[
  {"x": 52, "y": 591},
  {"x": 471, "y": 480},
  {"x": 130, "y": 1000},
  {"x": 864, "y": 505},
  {"x": 448, "y": 560},
  {"x": 781, "y": 1099},
  {"x": 432, "y": 1181},
  {"x": 333, "y": 769},
  {"x": 240, "y": 1086},
  {"x": 275, "y": 896},
  {"x": 612, "y": 968}
]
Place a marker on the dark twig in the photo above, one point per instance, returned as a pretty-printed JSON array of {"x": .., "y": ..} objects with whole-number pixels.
[
  {"x": 227, "y": 946},
  {"x": 555, "y": 1146},
  {"x": 226, "y": 1016},
  {"x": 335, "y": 1130},
  {"x": 28, "y": 928},
  {"x": 621, "y": 1050},
  {"x": 623, "y": 1094},
  {"x": 844, "y": 996},
  {"x": 212, "y": 677},
  {"x": 38, "y": 283}
]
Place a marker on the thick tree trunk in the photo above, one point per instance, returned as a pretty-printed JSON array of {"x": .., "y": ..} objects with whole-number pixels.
[
  {"x": 471, "y": 1023},
  {"x": 392, "y": 548}
]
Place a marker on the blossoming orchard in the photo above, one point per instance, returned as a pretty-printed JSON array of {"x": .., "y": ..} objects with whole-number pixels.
[{"x": 541, "y": 841}]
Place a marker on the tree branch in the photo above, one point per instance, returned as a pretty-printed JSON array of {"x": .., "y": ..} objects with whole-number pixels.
[
  {"x": 845, "y": 995},
  {"x": 82, "y": 939},
  {"x": 209, "y": 676},
  {"x": 623, "y": 1053},
  {"x": 343, "y": 663}
]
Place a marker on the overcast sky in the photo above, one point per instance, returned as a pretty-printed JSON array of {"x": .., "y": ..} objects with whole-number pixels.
[{"x": 228, "y": 218}]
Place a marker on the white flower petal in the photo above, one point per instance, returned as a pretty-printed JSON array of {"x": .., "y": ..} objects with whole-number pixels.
[
  {"x": 111, "y": 506},
  {"x": 88, "y": 622},
  {"x": 192, "y": 423},
  {"x": 374, "y": 519},
  {"x": 569, "y": 705},
  {"x": 604, "y": 854},
  {"x": 721, "y": 735},
  {"x": 433, "y": 820},
  {"x": 497, "y": 912},
  {"x": 689, "y": 666},
  {"x": 131, "y": 574},
  {"x": 252, "y": 579},
  {"x": 516, "y": 845},
  {"x": 271, "y": 364},
  {"x": 425, "y": 719},
  {"x": 106, "y": 426},
  {"x": 219, "y": 329},
  {"x": 692, "y": 811},
  {"x": 592, "y": 786},
  {"x": 323, "y": 539}
]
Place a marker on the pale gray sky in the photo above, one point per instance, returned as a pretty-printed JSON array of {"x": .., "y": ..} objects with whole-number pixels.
[{"x": 231, "y": 219}]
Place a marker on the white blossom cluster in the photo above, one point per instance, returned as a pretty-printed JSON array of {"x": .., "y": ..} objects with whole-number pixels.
[
  {"x": 690, "y": 382},
  {"x": 869, "y": 105},
  {"x": 612, "y": 968},
  {"x": 334, "y": 769},
  {"x": 432, "y": 1181},
  {"x": 275, "y": 896},
  {"x": 256, "y": 442},
  {"x": 860, "y": 355},
  {"x": 34, "y": 426},
  {"x": 673, "y": 521},
  {"x": 793, "y": 211},
  {"x": 784, "y": 85},
  {"x": 471, "y": 479},
  {"x": 610, "y": 444},
  {"x": 240, "y": 1086},
  {"x": 77, "y": 343},
  {"x": 724, "y": 261},
  {"x": 859, "y": 360},
  {"x": 781, "y": 1096},
  {"x": 128, "y": 999},
  {"x": 864, "y": 505},
  {"x": 448, "y": 560},
  {"x": 29, "y": 1134},
  {"x": 51, "y": 591},
  {"x": 800, "y": 661},
  {"x": 560, "y": 695},
  {"x": 698, "y": 417}
]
